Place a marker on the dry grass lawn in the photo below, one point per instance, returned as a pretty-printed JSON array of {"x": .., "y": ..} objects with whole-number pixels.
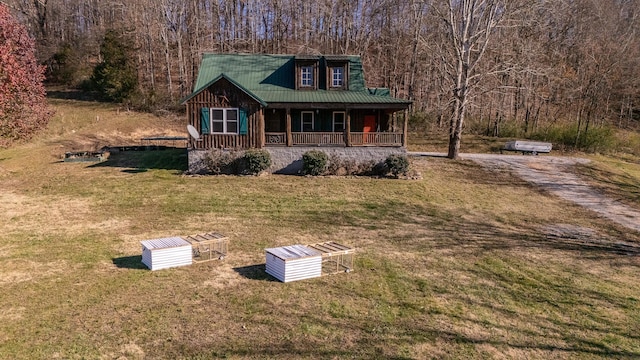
[{"x": 462, "y": 264}]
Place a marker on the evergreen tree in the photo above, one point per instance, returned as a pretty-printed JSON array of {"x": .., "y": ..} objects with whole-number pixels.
[
  {"x": 23, "y": 105},
  {"x": 115, "y": 77}
]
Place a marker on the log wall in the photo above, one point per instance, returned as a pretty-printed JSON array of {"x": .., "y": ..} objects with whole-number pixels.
[{"x": 224, "y": 94}]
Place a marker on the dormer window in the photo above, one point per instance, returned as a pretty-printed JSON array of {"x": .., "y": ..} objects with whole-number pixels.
[
  {"x": 306, "y": 76},
  {"x": 337, "y": 72},
  {"x": 337, "y": 76},
  {"x": 307, "y": 72}
]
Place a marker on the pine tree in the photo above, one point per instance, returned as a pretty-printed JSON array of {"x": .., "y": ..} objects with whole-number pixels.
[
  {"x": 23, "y": 105},
  {"x": 115, "y": 77}
]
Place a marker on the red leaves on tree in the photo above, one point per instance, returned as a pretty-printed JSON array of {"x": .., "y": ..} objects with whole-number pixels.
[{"x": 23, "y": 106}]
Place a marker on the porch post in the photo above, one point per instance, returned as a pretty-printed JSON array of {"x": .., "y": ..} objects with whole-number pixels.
[
  {"x": 288, "y": 124},
  {"x": 261, "y": 131},
  {"x": 347, "y": 129},
  {"x": 405, "y": 131},
  {"x": 394, "y": 121}
]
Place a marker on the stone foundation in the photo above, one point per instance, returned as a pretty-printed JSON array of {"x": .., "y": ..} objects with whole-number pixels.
[{"x": 288, "y": 160}]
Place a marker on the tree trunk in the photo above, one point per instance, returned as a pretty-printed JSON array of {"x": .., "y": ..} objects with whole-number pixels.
[{"x": 470, "y": 24}]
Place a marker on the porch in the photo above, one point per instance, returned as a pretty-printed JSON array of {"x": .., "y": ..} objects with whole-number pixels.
[
  {"x": 334, "y": 139},
  {"x": 313, "y": 125}
]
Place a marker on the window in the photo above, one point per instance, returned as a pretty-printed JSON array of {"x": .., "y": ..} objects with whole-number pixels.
[
  {"x": 224, "y": 121},
  {"x": 306, "y": 76},
  {"x": 338, "y": 121},
  {"x": 337, "y": 76},
  {"x": 307, "y": 121}
]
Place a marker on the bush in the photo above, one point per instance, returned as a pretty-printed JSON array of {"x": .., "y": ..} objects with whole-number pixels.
[
  {"x": 256, "y": 161},
  {"x": 314, "y": 162},
  {"x": 340, "y": 166},
  {"x": 222, "y": 161},
  {"x": 23, "y": 102},
  {"x": 397, "y": 164},
  {"x": 252, "y": 161},
  {"x": 596, "y": 139}
]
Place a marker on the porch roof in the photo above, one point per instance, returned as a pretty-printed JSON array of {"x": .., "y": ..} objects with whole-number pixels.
[{"x": 270, "y": 79}]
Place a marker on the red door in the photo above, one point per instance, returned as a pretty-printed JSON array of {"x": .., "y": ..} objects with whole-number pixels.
[
  {"x": 370, "y": 123},
  {"x": 369, "y": 126}
]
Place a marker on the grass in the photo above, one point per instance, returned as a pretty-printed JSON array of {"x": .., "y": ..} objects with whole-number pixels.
[
  {"x": 617, "y": 177},
  {"x": 438, "y": 142},
  {"x": 458, "y": 269}
]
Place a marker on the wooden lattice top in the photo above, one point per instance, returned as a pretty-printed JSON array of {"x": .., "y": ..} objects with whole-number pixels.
[
  {"x": 203, "y": 238},
  {"x": 331, "y": 248}
]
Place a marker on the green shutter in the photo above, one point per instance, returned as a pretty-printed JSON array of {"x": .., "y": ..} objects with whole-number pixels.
[
  {"x": 243, "y": 121},
  {"x": 205, "y": 121}
]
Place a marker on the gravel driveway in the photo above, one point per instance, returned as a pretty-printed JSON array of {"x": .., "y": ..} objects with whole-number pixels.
[{"x": 555, "y": 174}]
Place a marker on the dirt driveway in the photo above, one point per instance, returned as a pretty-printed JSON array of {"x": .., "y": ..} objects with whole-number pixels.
[{"x": 555, "y": 174}]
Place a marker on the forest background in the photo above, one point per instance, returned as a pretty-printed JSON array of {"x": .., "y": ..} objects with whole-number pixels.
[{"x": 568, "y": 71}]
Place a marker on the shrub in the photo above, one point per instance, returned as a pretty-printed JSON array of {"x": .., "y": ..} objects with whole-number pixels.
[
  {"x": 256, "y": 160},
  {"x": 341, "y": 166},
  {"x": 23, "y": 102},
  {"x": 335, "y": 165},
  {"x": 397, "y": 164},
  {"x": 314, "y": 162},
  {"x": 596, "y": 139},
  {"x": 378, "y": 168},
  {"x": 222, "y": 161}
]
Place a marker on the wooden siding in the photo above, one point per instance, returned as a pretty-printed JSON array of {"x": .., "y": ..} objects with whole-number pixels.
[
  {"x": 166, "y": 253},
  {"x": 224, "y": 94}
]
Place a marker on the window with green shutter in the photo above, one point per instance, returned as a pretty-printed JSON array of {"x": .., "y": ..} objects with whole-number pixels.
[{"x": 226, "y": 120}]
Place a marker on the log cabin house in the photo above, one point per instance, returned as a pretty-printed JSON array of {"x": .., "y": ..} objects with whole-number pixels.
[{"x": 243, "y": 101}]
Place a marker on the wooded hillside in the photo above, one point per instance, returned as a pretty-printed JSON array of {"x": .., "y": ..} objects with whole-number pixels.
[{"x": 546, "y": 60}]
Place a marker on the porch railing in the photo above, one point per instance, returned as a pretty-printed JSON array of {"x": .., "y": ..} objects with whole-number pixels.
[
  {"x": 376, "y": 138},
  {"x": 317, "y": 138},
  {"x": 335, "y": 138},
  {"x": 272, "y": 138}
]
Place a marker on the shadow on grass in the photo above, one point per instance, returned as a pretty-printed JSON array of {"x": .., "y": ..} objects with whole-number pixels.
[
  {"x": 134, "y": 171},
  {"x": 254, "y": 272},
  {"x": 73, "y": 94},
  {"x": 619, "y": 185},
  {"x": 130, "y": 262},
  {"x": 133, "y": 162},
  {"x": 439, "y": 229}
]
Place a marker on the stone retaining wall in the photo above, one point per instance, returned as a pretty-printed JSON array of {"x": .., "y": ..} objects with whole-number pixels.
[{"x": 288, "y": 160}]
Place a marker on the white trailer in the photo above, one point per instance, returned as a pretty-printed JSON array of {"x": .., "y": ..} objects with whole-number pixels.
[{"x": 527, "y": 147}]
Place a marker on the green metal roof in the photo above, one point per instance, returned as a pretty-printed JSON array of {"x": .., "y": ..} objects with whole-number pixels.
[{"x": 270, "y": 79}]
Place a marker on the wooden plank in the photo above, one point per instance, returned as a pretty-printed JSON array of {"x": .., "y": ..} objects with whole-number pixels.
[
  {"x": 348, "y": 128},
  {"x": 288, "y": 130},
  {"x": 208, "y": 246},
  {"x": 332, "y": 248},
  {"x": 261, "y": 129},
  {"x": 405, "y": 129}
]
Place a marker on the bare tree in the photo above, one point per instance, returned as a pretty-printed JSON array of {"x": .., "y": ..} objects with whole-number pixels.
[{"x": 470, "y": 25}]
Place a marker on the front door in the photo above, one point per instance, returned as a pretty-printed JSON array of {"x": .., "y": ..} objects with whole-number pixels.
[
  {"x": 369, "y": 126},
  {"x": 369, "y": 123}
]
